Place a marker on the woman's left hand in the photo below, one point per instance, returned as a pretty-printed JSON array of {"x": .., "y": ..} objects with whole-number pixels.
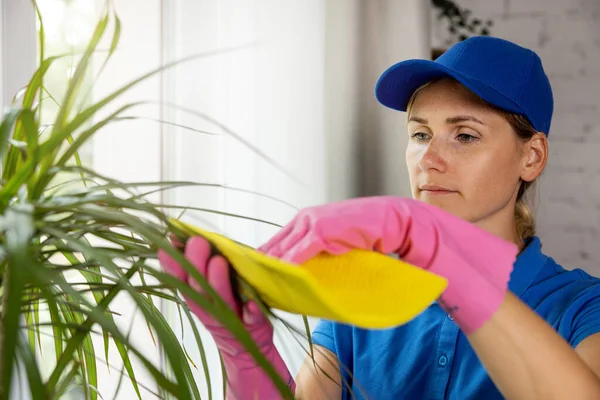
[{"x": 476, "y": 263}]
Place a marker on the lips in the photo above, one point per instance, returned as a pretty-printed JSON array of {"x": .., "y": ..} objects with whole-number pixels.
[{"x": 435, "y": 189}]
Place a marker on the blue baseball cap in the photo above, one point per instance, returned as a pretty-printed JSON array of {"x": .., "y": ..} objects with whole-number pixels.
[{"x": 502, "y": 73}]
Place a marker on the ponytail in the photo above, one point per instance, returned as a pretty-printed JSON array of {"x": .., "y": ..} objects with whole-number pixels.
[{"x": 524, "y": 220}]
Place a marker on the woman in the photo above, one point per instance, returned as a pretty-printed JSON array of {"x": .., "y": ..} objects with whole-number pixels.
[{"x": 478, "y": 119}]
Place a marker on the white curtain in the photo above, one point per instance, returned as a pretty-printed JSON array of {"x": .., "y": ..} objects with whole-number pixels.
[{"x": 302, "y": 93}]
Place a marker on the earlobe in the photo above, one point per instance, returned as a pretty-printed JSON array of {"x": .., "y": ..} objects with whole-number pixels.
[{"x": 536, "y": 150}]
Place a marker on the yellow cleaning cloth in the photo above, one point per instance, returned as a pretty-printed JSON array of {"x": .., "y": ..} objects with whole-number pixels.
[{"x": 362, "y": 288}]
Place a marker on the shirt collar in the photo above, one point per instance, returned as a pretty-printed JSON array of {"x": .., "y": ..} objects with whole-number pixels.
[{"x": 528, "y": 265}]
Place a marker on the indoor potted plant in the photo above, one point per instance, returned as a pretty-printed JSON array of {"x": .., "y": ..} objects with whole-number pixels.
[{"x": 72, "y": 240}]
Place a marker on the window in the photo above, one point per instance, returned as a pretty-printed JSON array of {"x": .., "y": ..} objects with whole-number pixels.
[{"x": 278, "y": 115}]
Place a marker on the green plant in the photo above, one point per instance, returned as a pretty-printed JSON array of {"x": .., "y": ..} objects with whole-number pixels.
[
  {"x": 72, "y": 240},
  {"x": 461, "y": 24}
]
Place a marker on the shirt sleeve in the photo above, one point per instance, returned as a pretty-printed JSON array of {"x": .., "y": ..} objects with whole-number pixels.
[
  {"x": 584, "y": 315},
  {"x": 322, "y": 335}
]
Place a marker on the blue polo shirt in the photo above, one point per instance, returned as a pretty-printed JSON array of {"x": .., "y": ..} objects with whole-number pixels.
[{"x": 430, "y": 358}]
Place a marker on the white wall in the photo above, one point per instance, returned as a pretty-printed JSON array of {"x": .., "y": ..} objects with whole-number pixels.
[{"x": 566, "y": 36}]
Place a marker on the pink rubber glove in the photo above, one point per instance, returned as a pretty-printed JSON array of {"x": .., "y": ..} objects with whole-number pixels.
[
  {"x": 476, "y": 263},
  {"x": 246, "y": 380}
]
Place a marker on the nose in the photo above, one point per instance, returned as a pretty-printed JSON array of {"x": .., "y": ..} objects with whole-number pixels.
[{"x": 432, "y": 157}]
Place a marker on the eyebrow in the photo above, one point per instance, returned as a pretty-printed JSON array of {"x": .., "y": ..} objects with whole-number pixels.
[{"x": 451, "y": 120}]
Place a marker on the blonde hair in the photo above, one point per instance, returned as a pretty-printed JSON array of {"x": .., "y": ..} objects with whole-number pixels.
[{"x": 524, "y": 219}]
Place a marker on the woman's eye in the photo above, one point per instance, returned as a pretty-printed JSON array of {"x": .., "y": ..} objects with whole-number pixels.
[
  {"x": 465, "y": 137},
  {"x": 419, "y": 136}
]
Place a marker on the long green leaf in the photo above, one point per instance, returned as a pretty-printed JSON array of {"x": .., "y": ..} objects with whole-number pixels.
[
  {"x": 69, "y": 98},
  {"x": 71, "y": 141},
  {"x": 90, "y": 360},
  {"x": 114, "y": 184},
  {"x": 96, "y": 315},
  {"x": 177, "y": 362},
  {"x": 78, "y": 337},
  {"x": 63, "y": 385},
  {"x": 128, "y": 366},
  {"x": 88, "y": 347},
  {"x": 188, "y": 372},
  {"x": 28, "y": 315},
  {"x": 6, "y": 130},
  {"x": 308, "y": 336},
  {"x": 92, "y": 274},
  {"x": 56, "y": 320},
  {"x": 78, "y": 75},
  {"x": 152, "y": 209},
  {"x": 201, "y": 350},
  {"x": 36, "y": 321},
  {"x": 83, "y": 137},
  {"x": 13, "y": 284},
  {"x": 14, "y": 183},
  {"x": 149, "y": 297},
  {"x": 224, "y": 314},
  {"x": 36, "y": 384},
  {"x": 69, "y": 377},
  {"x": 239, "y": 139},
  {"x": 72, "y": 318},
  {"x": 37, "y": 79},
  {"x": 24, "y": 142},
  {"x": 116, "y": 37},
  {"x": 61, "y": 133},
  {"x": 41, "y": 55},
  {"x": 30, "y": 132}
]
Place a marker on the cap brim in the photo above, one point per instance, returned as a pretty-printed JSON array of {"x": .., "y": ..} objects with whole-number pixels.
[{"x": 397, "y": 84}]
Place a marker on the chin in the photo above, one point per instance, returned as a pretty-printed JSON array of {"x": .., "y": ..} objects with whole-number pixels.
[{"x": 448, "y": 204}]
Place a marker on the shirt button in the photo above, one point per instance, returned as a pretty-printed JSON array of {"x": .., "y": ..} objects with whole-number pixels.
[
  {"x": 443, "y": 360},
  {"x": 449, "y": 317}
]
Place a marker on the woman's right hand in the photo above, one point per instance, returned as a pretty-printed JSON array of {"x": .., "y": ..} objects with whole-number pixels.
[
  {"x": 245, "y": 378},
  {"x": 216, "y": 270}
]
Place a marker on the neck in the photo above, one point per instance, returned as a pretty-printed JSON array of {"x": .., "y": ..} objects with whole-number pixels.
[{"x": 502, "y": 225}]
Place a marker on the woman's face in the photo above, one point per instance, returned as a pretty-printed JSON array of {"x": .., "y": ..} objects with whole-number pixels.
[{"x": 464, "y": 157}]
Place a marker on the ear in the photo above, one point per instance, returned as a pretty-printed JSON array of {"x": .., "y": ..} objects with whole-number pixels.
[{"x": 535, "y": 156}]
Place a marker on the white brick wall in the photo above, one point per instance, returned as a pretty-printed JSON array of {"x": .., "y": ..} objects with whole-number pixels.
[{"x": 566, "y": 36}]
